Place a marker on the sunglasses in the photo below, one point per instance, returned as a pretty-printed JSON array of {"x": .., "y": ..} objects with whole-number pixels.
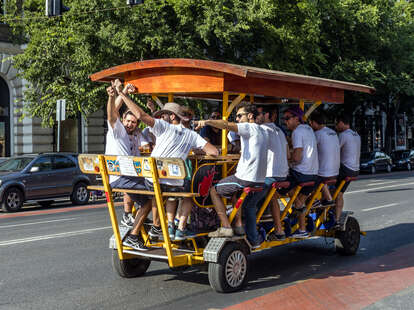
[
  {"x": 287, "y": 118},
  {"x": 239, "y": 115}
]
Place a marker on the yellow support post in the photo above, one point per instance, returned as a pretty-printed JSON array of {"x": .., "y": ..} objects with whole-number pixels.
[
  {"x": 302, "y": 104},
  {"x": 157, "y": 101},
  {"x": 265, "y": 203},
  {"x": 239, "y": 203},
  {"x": 161, "y": 211},
  {"x": 224, "y": 131},
  {"x": 111, "y": 207},
  {"x": 291, "y": 201},
  {"x": 251, "y": 99},
  {"x": 311, "y": 109},
  {"x": 170, "y": 97},
  {"x": 235, "y": 103}
]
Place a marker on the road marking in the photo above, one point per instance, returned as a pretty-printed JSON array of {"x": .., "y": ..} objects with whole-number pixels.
[
  {"x": 379, "y": 183},
  {"x": 53, "y": 236},
  {"x": 381, "y": 187},
  {"x": 42, "y": 222},
  {"x": 380, "y": 207}
]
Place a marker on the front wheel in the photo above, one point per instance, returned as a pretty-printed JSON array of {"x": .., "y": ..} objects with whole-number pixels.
[
  {"x": 129, "y": 268},
  {"x": 80, "y": 194},
  {"x": 12, "y": 200},
  {"x": 230, "y": 272},
  {"x": 347, "y": 242}
]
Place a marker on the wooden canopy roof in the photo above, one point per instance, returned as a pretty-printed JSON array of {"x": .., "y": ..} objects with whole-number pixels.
[{"x": 209, "y": 79}]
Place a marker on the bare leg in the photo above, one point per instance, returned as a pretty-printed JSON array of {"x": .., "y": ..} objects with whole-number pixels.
[
  {"x": 326, "y": 193},
  {"x": 128, "y": 203},
  {"x": 299, "y": 203},
  {"x": 275, "y": 208},
  {"x": 184, "y": 212},
  {"x": 238, "y": 217},
  {"x": 339, "y": 202},
  {"x": 219, "y": 207},
  {"x": 155, "y": 217},
  {"x": 171, "y": 207},
  {"x": 142, "y": 214}
]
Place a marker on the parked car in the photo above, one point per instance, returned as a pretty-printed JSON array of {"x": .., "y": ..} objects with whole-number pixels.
[
  {"x": 403, "y": 159},
  {"x": 375, "y": 161},
  {"x": 42, "y": 178}
]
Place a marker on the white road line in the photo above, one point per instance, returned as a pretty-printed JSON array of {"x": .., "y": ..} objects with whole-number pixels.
[
  {"x": 380, "y": 207},
  {"x": 381, "y": 187},
  {"x": 54, "y": 236},
  {"x": 35, "y": 223},
  {"x": 379, "y": 183}
]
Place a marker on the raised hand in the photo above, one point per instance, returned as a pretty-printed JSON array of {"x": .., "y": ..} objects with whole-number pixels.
[
  {"x": 151, "y": 105},
  {"x": 118, "y": 85},
  {"x": 129, "y": 89},
  {"x": 199, "y": 124},
  {"x": 110, "y": 90}
]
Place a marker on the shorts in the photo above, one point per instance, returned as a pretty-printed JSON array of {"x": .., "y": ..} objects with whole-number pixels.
[
  {"x": 231, "y": 185},
  {"x": 125, "y": 182},
  {"x": 321, "y": 179},
  {"x": 295, "y": 178},
  {"x": 343, "y": 173},
  {"x": 170, "y": 188}
]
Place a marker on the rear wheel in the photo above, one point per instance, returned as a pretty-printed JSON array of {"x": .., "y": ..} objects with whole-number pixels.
[
  {"x": 80, "y": 194},
  {"x": 12, "y": 200},
  {"x": 347, "y": 242},
  {"x": 230, "y": 272},
  {"x": 129, "y": 268}
]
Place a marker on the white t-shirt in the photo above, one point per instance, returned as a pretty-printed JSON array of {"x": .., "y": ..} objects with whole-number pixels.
[
  {"x": 277, "y": 163},
  {"x": 118, "y": 142},
  {"x": 148, "y": 135},
  {"x": 174, "y": 141},
  {"x": 233, "y": 137},
  {"x": 350, "y": 143},
  {"x": 328, "y": 152},
  {"x": 253, "y": 159},
  {"x": 303, "y": 137}
]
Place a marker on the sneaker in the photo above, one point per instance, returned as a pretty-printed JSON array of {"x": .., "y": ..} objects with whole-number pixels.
[
  {"x": 316, "y": 203},
  {"x": 300, "y": 234},
  {"x": 327, "y": 202},
  {"x": 273, "y": 236},
  {"x": 222, "y": 232},
  {"x": 135, "y": 242},
  {"x": 155, "y": 233},
  {"x": 171, "y": 231},
  {"x": 184, "y": 234},
  {"x": 239, "y": 231},
  {"x": 258, "y": 243},
  {"x": 128, "y": 219},
  {"x": 337, "y": 225}
]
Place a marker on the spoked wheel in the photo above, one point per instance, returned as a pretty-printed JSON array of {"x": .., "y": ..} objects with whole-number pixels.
[
  {"x": 80, "y": 194},
  {"x": 347, "y": 242},
  {"x": 230, "y": 273},
  {"x": 13, "y": 200},
  {"x": 129, "y": 268}
]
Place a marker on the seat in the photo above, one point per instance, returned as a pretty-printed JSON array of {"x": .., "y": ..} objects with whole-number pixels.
[
  {"x": 284, "y": 184},
  {"x": 305, "y": 184},
  {"x": 248, "y": 190},
  {"x": 329, "y": 182},
  {"x": 349, "y": 179}
]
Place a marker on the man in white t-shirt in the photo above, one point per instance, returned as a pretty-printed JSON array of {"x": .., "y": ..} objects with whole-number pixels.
[
  {"x": 277, "y": 166},
  {"x": 304, "y": 163},
  {"x": 172, "y": 140},
  {"x": 328, "y": 153},
  {"x": 350, "y": 144},
  {"x": 123, "y": 138},
  {"x": 251, "y": 172}
]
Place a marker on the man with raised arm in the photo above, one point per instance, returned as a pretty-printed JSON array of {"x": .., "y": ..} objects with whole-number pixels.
[
  {"x": 120, "y": 141},
  {"x": 328, "y": 153},
  {"x": 350, "y": 144},
  {"x": 304, "y": 163},
  {"x": 175, "y": 141},
  {"x": 251, "y": 171}
]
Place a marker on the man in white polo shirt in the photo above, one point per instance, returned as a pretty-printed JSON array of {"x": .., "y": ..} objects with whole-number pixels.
[
  {"x": 328, "y": 153},
  {"x": 304, "y": 162},
  {"x": 350, "y": 144},
  {"x": 175, "y": 141},
  {"x": 251, "y": 171}
]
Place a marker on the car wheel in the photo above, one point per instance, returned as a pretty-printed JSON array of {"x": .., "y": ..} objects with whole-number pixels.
[
  {"x": 45, "y": 203},
  {"x": 373, "y": 170},
  {"x": 409, "y": 166},
  {"x": 80, "y": 194},
  {"x": 389, "y": 168},
  {"x": 12, "y": 200}
]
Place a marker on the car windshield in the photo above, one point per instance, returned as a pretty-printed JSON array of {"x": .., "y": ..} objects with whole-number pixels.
[
  {"x": 400, "y": 154},
  {"x": 366, "y": 156},
  {"x": 15, "y": 164}
]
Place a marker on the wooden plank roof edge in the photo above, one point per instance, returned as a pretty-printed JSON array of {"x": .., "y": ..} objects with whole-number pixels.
[{"x": 233, "y": 69}]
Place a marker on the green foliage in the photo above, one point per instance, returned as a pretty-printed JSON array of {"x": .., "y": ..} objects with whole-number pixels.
[{"x": 364, "y": 41}]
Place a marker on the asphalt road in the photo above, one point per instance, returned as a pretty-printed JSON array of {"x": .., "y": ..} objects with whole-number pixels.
[{"x": 58, "y": 257}]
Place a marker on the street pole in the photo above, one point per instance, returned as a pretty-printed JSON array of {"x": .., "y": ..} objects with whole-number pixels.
[{"x": 60, "y": 116}]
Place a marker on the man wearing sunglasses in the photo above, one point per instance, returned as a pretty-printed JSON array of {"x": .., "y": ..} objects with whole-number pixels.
[
  {"x": 304, "y": 162},
  {"x": 251, "y": 172}
]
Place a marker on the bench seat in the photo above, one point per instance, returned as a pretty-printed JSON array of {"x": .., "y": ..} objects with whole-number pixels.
[{"x": 144, "y": 192}]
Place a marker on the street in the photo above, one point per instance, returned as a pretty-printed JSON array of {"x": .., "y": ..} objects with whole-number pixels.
[{"x": 58, "y": 258}]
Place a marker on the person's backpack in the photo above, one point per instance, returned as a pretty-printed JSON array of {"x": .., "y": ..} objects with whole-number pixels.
[{"x": 204, "y": 219}]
